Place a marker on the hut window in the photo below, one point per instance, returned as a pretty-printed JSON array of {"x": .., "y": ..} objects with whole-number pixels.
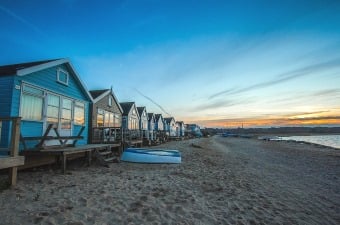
[
  {"x": 31, "y": 103},
  {"x": 111, "y": 120},
  {"x": 117, "y": 120},
  {"x": 106, "y": 119},
  {"x": 66, "y": 114},
  {"x": 52, "y": 113},
  {"x": 79, "y": 113},
  {"x": 110, "y": 101},
  {"x": 100, "y": 118},
  {"x": 62, "y": 76}
]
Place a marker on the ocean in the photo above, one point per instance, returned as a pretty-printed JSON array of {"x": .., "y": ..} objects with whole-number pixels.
[{"x": 327, "y": 140}]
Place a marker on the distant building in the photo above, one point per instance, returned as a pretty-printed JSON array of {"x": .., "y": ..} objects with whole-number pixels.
[
  {"x": 193, "y": 130},
  {"x": 130, "y": 120},
  {"x": 170, "y": 126},
  {"x": 106, "y": 115},
  {"x": 143, "y": 121},
  {"x": 180, "y": 128}
]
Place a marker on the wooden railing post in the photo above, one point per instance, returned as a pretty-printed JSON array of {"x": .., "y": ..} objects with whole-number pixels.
[{"x": 15, "y": 137}]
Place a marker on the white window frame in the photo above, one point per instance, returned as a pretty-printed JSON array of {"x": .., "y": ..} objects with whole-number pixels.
[
  {"x": 59, "y": 70},
  {"x": 42, "y": 96}
]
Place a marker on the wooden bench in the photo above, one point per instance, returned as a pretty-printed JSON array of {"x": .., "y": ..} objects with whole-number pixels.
[{"x": 46, "y": 137}]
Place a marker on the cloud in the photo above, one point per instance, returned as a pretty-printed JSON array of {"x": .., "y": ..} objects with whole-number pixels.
[
  {"x": 281, "y": 78},
  {"x": 22, "y": 20},
  {"x": 151, "y": 100}
]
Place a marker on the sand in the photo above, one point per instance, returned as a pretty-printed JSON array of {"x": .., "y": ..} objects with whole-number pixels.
[{"x": 226, "y": 181}]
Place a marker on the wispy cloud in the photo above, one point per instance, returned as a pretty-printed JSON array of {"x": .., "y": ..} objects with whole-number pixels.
[
  {"x": 151, "y": 100},
  {"x": 281, "y": 78},
  {"x": 23, "y": 21}
]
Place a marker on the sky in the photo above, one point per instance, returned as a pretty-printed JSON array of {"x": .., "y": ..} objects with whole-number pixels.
[{"x": 215, "y": 63}]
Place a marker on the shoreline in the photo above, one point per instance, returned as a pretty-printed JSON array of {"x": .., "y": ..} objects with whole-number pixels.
[{"x": 223, "y": 181}]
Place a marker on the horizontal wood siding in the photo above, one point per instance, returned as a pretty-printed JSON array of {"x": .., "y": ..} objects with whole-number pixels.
[
  {"x": 30, "y": 129},
  {"x": 6, "y": 87},
  {"x": 47, "y": 79},
  {"x": 76, "y": 130}
]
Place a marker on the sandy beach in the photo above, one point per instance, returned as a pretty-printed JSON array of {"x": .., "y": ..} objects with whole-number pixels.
[{"x": 223, "y": 181}]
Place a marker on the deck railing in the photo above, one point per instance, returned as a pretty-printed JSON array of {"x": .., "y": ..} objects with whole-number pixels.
[{"x": 107, "y": 135}]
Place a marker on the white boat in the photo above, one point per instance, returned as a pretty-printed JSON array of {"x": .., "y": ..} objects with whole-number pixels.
[{"x": 143, "y": 155}]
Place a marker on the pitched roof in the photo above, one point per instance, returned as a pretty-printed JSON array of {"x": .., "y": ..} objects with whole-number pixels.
[
  {"x": 157, "y": 116},
  {"x": 13, "y": 68},
  {"x": 140, "y": 110},
  {"x": 150, "y": 115},
  {"x": 97, "y": 93},
  {"x": 168, "y": 119},
  {"x": 126, "y": 106}
]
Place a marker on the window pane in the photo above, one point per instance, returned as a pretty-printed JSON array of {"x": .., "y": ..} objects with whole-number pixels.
[
  {"x": 65, "y": 124},
  {"x": 31, "y": 107},
  {"x": 79, "y": 104},
  {"x": 62, "y": 76},
  {"x": 111, "y": 120},
  {"x": 32, "y": 90},
  {"x": 66, "y": 114},
  {"x": 79, "y": 114},
  {"x": 106, "y": 119},
  {"x": 100, "y": 120},
  {"x": 67, "y": 104},
  {"x": 52, "y": 111},
  {"x": 53, "y": 100}
]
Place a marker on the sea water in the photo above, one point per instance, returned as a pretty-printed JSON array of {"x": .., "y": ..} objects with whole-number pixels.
[{"x": 327, "y": 140}]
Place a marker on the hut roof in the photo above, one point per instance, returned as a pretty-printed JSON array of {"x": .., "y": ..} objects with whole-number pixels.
[
  {"x": 126, "y": 106},
  {"x": 13, "y": 68}
]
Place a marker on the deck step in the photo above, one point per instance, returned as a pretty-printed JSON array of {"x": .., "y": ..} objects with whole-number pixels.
[
  {"x": 104, "y": 153},
  {"x": 111, "y": 159}
]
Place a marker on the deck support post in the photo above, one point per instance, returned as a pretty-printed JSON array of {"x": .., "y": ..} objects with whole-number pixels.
[{"x": 15, "y": 138}]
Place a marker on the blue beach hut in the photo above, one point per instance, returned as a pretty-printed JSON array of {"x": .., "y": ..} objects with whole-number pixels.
[{"x": 43, "y": 93}]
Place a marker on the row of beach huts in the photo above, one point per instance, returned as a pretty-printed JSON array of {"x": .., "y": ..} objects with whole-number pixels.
[{"x": 47, "y": 115}]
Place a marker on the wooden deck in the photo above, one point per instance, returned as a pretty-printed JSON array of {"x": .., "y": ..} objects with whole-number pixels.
[
  {"x": 63, "y": 153},
  {"x": 9, "y": 161}
]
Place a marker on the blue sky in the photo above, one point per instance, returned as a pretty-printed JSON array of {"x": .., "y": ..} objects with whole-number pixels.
[{"x": 215, "y": 63}]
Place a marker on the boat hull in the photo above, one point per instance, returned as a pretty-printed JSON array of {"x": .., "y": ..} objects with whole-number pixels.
[{"x": 143, "y": 155}]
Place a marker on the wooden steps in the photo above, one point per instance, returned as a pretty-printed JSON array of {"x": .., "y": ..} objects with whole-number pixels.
[{"x": 106, "y": 156}]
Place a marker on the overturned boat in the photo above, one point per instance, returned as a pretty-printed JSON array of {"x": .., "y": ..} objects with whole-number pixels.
[{"x": 144, "y": 155}]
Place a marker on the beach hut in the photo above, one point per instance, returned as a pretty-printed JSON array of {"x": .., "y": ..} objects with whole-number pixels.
[
  {"x": 130, "y": 124},
  {"x": 106, "y": 117},
  {"x": 192, "y": 130},
  {"x": 170, "y": 126},
  {"x": 180, "y": 128},
  {"x": 143, "y": 122},
  {"x": 160, "y": 128},
  {"x": 53, "y": 104},
  {"x": 151, "y": 126},
  {"x": 45, "y": 93}
]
